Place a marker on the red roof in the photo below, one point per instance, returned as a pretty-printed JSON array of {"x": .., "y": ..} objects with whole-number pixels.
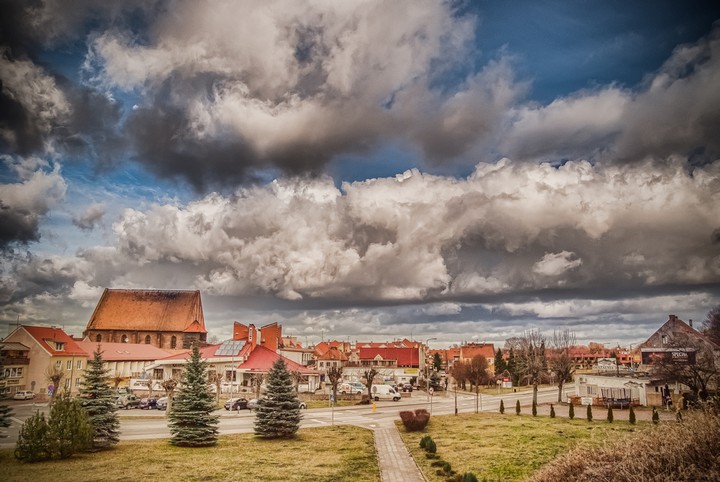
[
  {"x": 123, "y": 351},
  {"x": 333, "y": 354},
  {"x": 405, "y": 357},
  {"x": 262, "y": 359},
  {"x": 468, "y": 352},
  {"x": 210, "y": 351},
  {"x": 48, "y": 336}
]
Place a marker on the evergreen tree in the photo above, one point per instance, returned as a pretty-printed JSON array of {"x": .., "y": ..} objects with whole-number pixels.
[
  {"x": 571, "y": 412},
  {"x": 632, "y": 415},
  {"x": 589, "y": 413},
  {"x": 279, "y": 415},
  {"x": 512, "y": 367},
  {"x": 191, "y": 421},
  {"x": 534, "y": 408},
  {"x": 655, "y": 416},
  {"x": 517, "y": 407},
  {"x": 552, "y": 411},
  {"x": 69, "y": 428},
  {"x": 500, "y": 364},
  {"x": 33, "y": 443},
  {"x": 437, "y": 362},
  {"x": 98, "y": 400},
  {"x": 610, "y": 416},
  {"x": 5, "y": 411},
  {"x": 502, "y": 407}
]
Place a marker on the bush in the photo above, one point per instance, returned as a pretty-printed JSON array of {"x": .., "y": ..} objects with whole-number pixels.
[
  {"x": 33, "y": 444},
  {"x": 468, "y": 477},
  {"x": 552, "y": 411},
  {"x": 571, "y": 411},
  {"x": 589, "y": 413},
  {"x": 655, "y": 416},
  {"x": 415, "y": 421},
  {"x": 517, "y": 407},
  {"x": 430, "y": 446},
  {"x": 69, "y": 428},
  {"x": 632, "y": 416},
  {"x": 502, "y": 407},
  {"x": 686, "y": 451},
  {"x": 424, "y": 440},
  {"x": 610, "y": 417}
]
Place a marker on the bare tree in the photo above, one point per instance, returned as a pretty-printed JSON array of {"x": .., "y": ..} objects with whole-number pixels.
[
  {"x": 149, "y": 383},
  {"x": 700, "y": 374},
  {"x": 334, "y": 375},
  {"x": 117, "y": 379},
  {"x": 459, "y": 372},
  {"x": 530, "y": 359},
  {"x": 369, "y": 377},
  {"x": 711, "y": 325},
  {"x": 477, "y": 373},
  {"x": 169, "y": 386},
  {"x": 256, "y": 381},
  {"x": 297, "y": 377},
  {"x": 216, "y": 378},
  {"x": 560, "y": 361},
  {"x": 55, "y": 375}
]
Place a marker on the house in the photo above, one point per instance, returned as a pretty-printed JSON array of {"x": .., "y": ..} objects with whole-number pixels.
[
  {"x": 620, "y": 391},
  {"x": 167, "y": 319},
  {"x": 675, "y": 341},
  {"x": 292, "y": 349},
  {"x": 15, "y": 361},
  {"x": 50, "y": 349},
  {"x": 469, "y": 351}
]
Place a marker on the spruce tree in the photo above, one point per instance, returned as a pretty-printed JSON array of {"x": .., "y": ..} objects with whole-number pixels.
[
  {"x": 571, "y": 412},
  {"x": 517, "y": 407},
  {"x": 502, "y": 407},
  {"x": 279, "y": 414},
  {"x": 69, "y": 428},
  {"x": 632, "y": 415},
  {"x": 655, "y": 416},
  {"x": 191, "y": 421},
  {"x": 98, "y": 400},
  {"x": 500, "y": 364},
  {"x": 33, "y": 443},
  {"x": 589, "y": 413},
  {"x": 552, "y": 411},
  {"x": 610, "y": 416}
]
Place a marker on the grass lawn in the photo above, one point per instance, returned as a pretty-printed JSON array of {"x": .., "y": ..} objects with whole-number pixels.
[
  {"x": 505, "y": 447},
  {"x": 318, "y": 454},
  {"x": 326, "y": 404}
]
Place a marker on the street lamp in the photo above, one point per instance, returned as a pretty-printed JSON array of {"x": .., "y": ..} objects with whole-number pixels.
[{"x": 427, "y": 380}]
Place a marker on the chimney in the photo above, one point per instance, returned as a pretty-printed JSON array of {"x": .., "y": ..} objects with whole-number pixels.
[
  {"x": 690, "y": 322},
  {"x": 673, "y": 318}
]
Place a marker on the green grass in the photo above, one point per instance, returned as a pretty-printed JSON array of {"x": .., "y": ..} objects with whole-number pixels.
[
  {"x": 326, "y": 404},
  {"x": 324, "y": 454},
  {"x": 506, "y": 447}
]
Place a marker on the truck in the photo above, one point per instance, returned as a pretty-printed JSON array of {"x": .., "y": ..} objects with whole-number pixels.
[{"x": 385, "y": 392}]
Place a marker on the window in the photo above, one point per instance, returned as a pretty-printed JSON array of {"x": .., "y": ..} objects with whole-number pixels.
[
  {"x": 147, "y": 340},
  {"x": 59, "y": 346},
  {"x": 58, "y": 365},
  {"x": 176, "y": 373},
  {"x": 158, "y": 374},
  {"x": 77, "y": 382},
  {"x": 67, "y": 383},
  {"x": 98, "y": 338},
  {"x": 664, "y": 339},
  {"x": 69, "y": 364},
  {"x": 173, "y": 342},
  {"x": 124, "y": 339},
  {"x": 230, "y": 375},
  {"x": 79, "y": 365}
]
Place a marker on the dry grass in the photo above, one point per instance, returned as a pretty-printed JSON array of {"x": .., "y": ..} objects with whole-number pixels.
[
  {"x": 506, "y": 447},
  {"x": 325, "y": 454},
  {"x": 687, "y": 451}
]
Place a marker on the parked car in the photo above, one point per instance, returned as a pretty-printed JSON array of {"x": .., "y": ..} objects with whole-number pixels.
[
  {"x": 128, "y": 401},
  {"x": 148, "y": 403},
  {"x": 385, "y": 392},
  {"x": 407, "y": 387},
  {"x": 351, "y": 387},
  {"x": 236, "y": 404},
  {"x": 303, "y": 405},
  {"x": 24, "y": 395},
  {"x": 161, "y": 403},
  {"x": 254, "y": 403}
]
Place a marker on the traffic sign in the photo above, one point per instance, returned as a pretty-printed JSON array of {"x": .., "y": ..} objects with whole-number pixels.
[{"x": 431, "y": 391}]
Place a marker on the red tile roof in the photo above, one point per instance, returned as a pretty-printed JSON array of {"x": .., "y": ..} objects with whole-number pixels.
[
  {"x": 123, "y": 351},
  {"x": 149, "y": 310},
  {"x": 468, "y": 352},
  {"x": 262, "y": 359},
  {"x": 210, "y": 351},
  {"x": 405, "y": 357},
  {"x": 47, "y": 336}
]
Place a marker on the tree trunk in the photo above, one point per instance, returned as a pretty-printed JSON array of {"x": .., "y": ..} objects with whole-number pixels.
[
  {"x": 560, "y": 387},
  {"x": 535, "y": 390}
]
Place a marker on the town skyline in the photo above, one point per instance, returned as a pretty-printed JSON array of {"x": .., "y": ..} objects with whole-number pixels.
[{"x": 466, "y": 172}]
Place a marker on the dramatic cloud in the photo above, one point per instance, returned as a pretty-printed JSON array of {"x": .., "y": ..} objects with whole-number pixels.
[{"x": 91, "y": 217}]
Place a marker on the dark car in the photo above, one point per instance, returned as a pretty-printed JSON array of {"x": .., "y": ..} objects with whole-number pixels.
[
  {"x": 407, "y": 387},
  {"x": 254, "y": 403},
  {"x": 148, "y": 403},
  {"x": 236, "y": 404},
  {"x": 161, "y": 403}
]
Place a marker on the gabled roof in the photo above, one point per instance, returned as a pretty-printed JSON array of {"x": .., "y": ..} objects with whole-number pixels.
[
  {"x": 675, "y": 326},
  {"x": 12, "y": 346},
  {"x": 48, "y": 337},
  {"x": 470, "y": 351},
  {"x": 123, "y": 351},
  {"x": 333, "y": 354},
  {"x": 262, "y": 359},
  {"x": 405, "y": 357},
  {"x": 214, "y": 352},
  {"x": 149, "y": 310}
]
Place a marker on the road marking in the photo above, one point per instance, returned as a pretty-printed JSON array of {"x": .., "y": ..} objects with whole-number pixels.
[{"x": 318, "y": 421}]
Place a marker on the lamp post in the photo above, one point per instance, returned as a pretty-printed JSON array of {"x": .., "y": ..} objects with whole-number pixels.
[{"x": 427, "y": 380}]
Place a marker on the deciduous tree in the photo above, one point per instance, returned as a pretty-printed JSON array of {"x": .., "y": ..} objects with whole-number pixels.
[
  {"x": 711, "y": 325},
  {"x": 530, "y": 359},
  {"x": 561, "y": 363},
  {"x": 334, "y": 375},
  {"x": 369, "y": 377},
  {"x": 477, "y": 374}
]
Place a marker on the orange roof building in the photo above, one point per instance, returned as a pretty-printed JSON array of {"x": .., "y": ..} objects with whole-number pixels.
[{"x": 167, "y": 319}]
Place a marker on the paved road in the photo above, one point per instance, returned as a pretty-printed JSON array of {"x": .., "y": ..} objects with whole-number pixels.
[{"x": 142, "y": 424}]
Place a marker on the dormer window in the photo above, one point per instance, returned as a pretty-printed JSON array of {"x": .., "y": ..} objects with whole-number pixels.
[
  {"x": 59, "y": 346},
  {"x": 664, "y": 339}
]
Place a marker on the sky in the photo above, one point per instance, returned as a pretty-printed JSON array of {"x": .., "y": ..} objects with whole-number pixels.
[{"x": 448, "y": 172}]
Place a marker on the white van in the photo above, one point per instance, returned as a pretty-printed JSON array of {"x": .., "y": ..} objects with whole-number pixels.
[{"x": 385, "y": 392}]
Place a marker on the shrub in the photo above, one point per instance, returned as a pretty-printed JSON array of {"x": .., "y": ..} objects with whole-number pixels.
[
  {"x": 424, "y": 440},
  {"x": 552, "y": 411},
  {"x": 69, "y": 428},
  {"x": 655, "y": 416},
  {"x": 610, "y": 417},
  {"x": 430, "y": 446},
  {"x": 632, "y": 416},
  {"x": 686, "y": 451},
  {"x": 468, "y": 477},
  {"x": 589, "y": 413},
  {"x": 502, "y": 407},
  {"x": 571, "y": 411},
  {"x": 415, "y": 421},
  {"x": 447, "y": 468},
  {"x": 517, "y": 407},
  {"x": 33, "y": 444}
]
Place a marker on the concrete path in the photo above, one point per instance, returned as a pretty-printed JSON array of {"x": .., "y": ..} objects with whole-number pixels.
[{"x": 396, "y": 464}]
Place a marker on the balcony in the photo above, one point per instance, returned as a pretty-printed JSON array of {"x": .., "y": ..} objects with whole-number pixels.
[{"x": 14, "y": 360}]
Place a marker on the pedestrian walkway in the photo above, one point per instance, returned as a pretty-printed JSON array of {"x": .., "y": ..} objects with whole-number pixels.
[{"x": 395, "y": 462}]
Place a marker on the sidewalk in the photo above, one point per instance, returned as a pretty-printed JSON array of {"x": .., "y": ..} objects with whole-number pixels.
[{"x": 394, "y": 460}]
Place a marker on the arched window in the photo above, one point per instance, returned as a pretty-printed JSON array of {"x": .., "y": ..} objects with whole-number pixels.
[
  {"x": 147, "y": 340},
  {"x": 173, "y": 342},
  {"x": 124, "y": 339},
  {"x": 98, "y": 338}
]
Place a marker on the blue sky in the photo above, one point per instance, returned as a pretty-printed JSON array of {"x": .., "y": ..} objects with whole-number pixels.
[{"x": 370, "y": 169}]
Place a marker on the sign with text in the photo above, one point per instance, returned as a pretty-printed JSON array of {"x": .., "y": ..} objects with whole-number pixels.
[{"x": 679, "y": 356}]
